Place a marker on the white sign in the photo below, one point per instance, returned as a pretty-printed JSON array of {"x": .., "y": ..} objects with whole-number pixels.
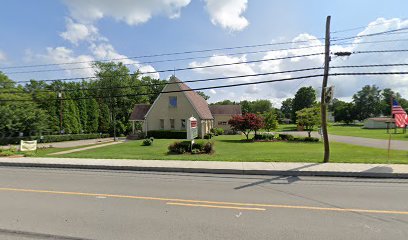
[
  {"x": 28, "y": 145},
  {"x": 192, "y": 129}
]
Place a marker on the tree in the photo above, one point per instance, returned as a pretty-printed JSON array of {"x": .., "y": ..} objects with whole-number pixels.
[
  {"x": 386, "y": 96},
  {"x": 308, "y": 118},
  {"x": 305, "y": 97},
  {"x": 286, "y": 108},
  {"x": 202, "y": 94},
  {"x": 270, "y": 121},
  {"x": 246, "y": 123},
  {"x": 367, "y": 102},
  {"x": 224, "y": 102},
  {"x": 344, "y": 112}
]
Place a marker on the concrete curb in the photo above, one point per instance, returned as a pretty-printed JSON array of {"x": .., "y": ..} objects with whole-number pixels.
[{"x": 212, "y": 171}]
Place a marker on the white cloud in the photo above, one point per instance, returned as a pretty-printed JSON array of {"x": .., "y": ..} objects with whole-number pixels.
[
  {"x": 107, "y": 51},
  {"x": 226, "y": 71},
  {"x": 130, "y": 11},
  {"x": 228, "y": 13},
  {"x": 3, "y": 57},
  {"x": 59, "y": 55},
  {"x": 345, "y": 86},
  {"x": 77, "y": 32}
]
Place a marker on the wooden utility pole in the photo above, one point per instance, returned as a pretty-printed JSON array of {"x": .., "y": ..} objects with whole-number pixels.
[
  {"x": 61, "y": 111},
  {"x": 323, "y": 101}
]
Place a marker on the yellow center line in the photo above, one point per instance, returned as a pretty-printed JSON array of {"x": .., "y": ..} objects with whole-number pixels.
[
  {"x": 206, "y": 202},
  {"x": 215, "y": 206}
]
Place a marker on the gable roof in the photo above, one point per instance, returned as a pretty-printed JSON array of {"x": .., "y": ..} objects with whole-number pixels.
[
  {"x": 198, "y": 102},
  {"x": 226, "y": 109},
  {"x": 139, "y": 112}
]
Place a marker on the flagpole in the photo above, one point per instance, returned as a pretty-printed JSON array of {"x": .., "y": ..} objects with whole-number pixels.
[{"x": 389, "y": 133}]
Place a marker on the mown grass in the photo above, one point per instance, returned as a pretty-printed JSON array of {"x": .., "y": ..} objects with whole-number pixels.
[
  {"x": 231, "y": 148},
  {"x": 358, "y": 131}
]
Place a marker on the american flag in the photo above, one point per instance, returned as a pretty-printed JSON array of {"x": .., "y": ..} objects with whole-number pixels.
[{"x": 400, "y": 116}]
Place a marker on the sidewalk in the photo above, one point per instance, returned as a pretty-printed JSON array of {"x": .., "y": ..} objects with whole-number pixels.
[{"x": 258, "y": 168}]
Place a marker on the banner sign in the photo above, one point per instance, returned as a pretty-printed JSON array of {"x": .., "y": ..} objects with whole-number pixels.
[{"x": 28, "y": 145}]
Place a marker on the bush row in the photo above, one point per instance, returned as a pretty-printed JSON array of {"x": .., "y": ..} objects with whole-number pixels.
[
  {"x": 285, "y": 137},
  {"x": 167, "y": 134},
  {"x": 52, "y": 138},
  {"x": 197, "y": 148}
]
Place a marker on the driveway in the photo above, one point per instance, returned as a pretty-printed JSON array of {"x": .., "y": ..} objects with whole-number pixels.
[{"x": 366, "y": 142}]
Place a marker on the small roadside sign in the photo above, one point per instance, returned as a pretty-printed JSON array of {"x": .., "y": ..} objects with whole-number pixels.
[
  {"x": 192, "y": 129},
  {"x": 28, "y": 145}
]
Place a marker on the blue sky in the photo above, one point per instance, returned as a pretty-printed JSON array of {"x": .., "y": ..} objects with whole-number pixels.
[{"x": 49, "y": 31}]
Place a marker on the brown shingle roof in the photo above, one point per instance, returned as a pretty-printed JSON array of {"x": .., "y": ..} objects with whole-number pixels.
[
  {"x": 226, "y": 109},
  {"x": 198, "y": 102},
  {"x": 139, "y": 112}
]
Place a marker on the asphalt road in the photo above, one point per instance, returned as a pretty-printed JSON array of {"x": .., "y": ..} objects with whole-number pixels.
[{"x": 77, "y": 204}]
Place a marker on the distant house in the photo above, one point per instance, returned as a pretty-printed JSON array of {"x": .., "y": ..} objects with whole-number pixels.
[
  {"x": 223, "y": 113},
  {"x": 170, "y": 111},
  {"x": 379, "y": 123}
]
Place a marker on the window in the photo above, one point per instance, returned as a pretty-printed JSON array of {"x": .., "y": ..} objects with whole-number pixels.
[
  {"x": 161, "y": 123},
  {"x": 173, "y": 101},
  {"x": 222, "y": 123},
  {"x": 183, "y": 123},
  {"x": 172, "y": 123}
]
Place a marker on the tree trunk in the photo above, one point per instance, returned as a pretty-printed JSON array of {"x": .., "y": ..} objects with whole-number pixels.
[{"x": 309, "y": 133}]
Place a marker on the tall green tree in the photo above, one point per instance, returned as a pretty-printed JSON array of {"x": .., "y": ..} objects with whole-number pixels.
[
  {"x": 367, "y": 102},
  {"x": 286, "y": 108},
  {"x": 305, "y": 97}
]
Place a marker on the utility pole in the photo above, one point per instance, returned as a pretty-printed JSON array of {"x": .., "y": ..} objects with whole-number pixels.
[
  {"x": 112, "y": 110},
  {"x": 61, "y": 110},
  {"x": 323, "y": 103}
]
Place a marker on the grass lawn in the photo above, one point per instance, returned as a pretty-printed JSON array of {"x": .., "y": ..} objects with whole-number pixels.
[
  {"x": 358, "y": 131},
  {"x": 230, "y": 148},
  {"x": 354, "y": 131}
]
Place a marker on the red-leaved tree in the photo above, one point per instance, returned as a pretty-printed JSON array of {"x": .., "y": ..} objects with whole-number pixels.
[{"x": 246, "y": 123}]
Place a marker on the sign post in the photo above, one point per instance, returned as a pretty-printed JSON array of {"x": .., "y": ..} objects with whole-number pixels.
[{"x": 192, "y": 130}]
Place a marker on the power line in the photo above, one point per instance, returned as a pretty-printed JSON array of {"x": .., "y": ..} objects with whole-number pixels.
[
  {"x": 161, "y": 54},
  {"x": 159, "y": 84},
  {"x": 220, "y": 86},
  {"x": 371, "y": 34},
  {"x": 175, "y": 91},
  {"x": 171, "y": 60},
  {"x": 362, "y": 27},
  {"x": 188, "y": 68},
  {"x": 217, "y": 65}
]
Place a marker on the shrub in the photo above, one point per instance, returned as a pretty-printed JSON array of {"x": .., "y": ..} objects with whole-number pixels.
[
  {"x": 52, "y": 138},
  {"x": 311, "y": 139},
  {"x": 217, "y": 131},
  {"x": 147, "y": 142},
  {"x": 167, "y": 134},
  {"x": 208, "y": 136},
  {"x": 264, "y": 136},
  {"x": 180, "y": 147},
  {"x": 185, "y": 146},
  {"x": 208, "y": 147},
  {"x": 287, "y": 137}
]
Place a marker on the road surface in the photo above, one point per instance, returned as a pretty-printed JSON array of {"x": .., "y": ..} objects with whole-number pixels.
[{"x": 79, "y": 204}]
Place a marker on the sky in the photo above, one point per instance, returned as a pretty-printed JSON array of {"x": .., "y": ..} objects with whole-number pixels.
[{"x": 69, "y": 31}]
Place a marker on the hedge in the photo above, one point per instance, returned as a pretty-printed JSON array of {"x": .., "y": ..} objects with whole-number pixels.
[
  {"x": 197, "y": 148},
  {"x": 167, "y": 134},
  {"x": 52, "y": 138}
]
